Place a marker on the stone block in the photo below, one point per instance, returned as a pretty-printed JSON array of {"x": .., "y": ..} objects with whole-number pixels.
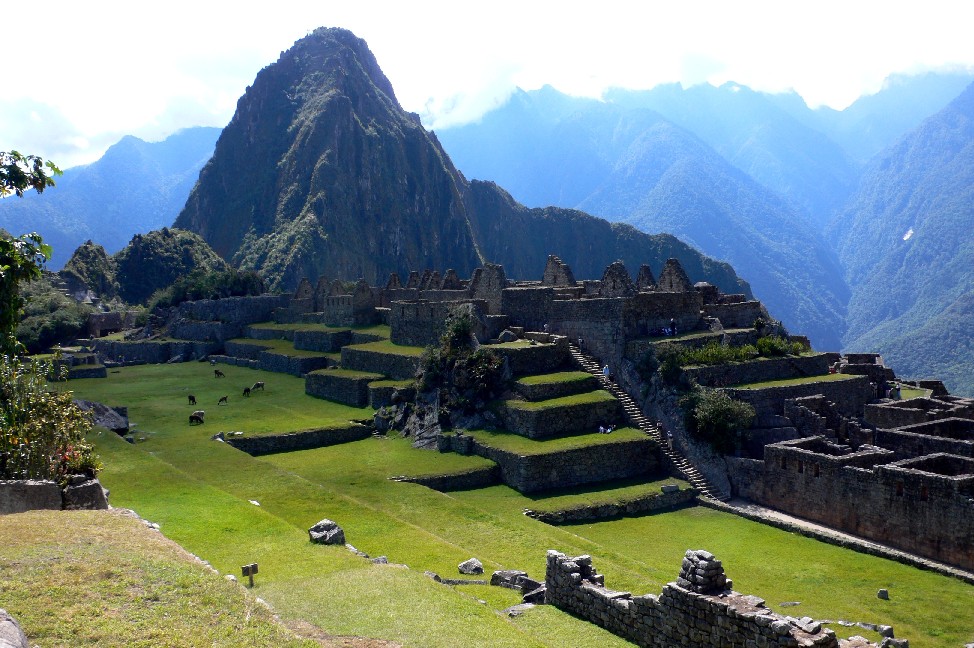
[{"x": 17, "y": 496}]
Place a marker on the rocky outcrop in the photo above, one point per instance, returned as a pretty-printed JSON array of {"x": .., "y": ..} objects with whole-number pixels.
[{"x": 367, "y": 191}]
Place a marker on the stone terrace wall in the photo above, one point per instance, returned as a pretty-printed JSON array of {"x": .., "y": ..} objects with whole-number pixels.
[
  {"x": 560, "y": 420},
  {"x": 420, "y": 323},
  {"x": 534, "y": 359},
  {"x": 295, "y": 366},
  {"x": 151, "y": 351},
  {"x": 850, "y": 396},
  {"x": 760, "y": 370},
  {"x": 393, "y": 365},
  {"x": 307, "y": 440},
  {"x": 677, "y": 617},
  {"x": 468, "y": 480},
  {"x": 591, "y": 464},
  {"x": 350, "y": 388},
  {"x": 545, "y": 391}
]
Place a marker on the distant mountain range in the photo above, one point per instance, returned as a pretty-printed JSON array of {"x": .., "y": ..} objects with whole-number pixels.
[
  {"x": 906, "y": 241},
  {"x": 321, "y": 172},
  {"x": 134, "y": 188}
]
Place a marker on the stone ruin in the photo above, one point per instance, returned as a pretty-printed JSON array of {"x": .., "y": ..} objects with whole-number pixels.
[{"x": 699, "y": 609}]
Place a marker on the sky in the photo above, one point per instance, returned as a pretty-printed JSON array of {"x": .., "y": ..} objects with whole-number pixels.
[{"x": 89, "y": 73}]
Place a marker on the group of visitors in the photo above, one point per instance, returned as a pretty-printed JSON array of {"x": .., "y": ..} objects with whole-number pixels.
[{"x": 603, "y": 429}]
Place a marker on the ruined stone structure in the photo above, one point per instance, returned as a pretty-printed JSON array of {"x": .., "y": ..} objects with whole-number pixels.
[
  {"x": 832, "y": 450},
  {"x": 907, "y": 484},
  {"x": 698, "y": 609}
]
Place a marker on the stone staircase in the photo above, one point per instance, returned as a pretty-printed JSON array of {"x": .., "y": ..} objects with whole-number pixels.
[{"x": 654, "y": 430}]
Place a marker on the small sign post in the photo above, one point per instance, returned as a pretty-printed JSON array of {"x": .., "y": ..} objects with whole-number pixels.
[{"x": 249, "y": 570}]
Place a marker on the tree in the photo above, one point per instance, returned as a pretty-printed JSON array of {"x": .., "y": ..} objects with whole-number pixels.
[
  {"x": 21, "y": 259},
  {"x": 18, "y": 173}
]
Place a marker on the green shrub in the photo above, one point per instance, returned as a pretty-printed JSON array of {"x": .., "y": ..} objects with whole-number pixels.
[
  {"x": 774, "y": 346},
  {"x": 42, "y": 431},
  {"x": 464, "y": 373},
  {"x": 713, "y": 416},
  {"x": 715, "y": 353}
]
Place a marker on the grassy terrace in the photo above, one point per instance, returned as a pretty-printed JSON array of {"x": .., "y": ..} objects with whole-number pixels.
[
  {"x": 548, "y": 379},
  {"x": 285, "y": 347},
  {"x": 503, "y": 440},
  {"x": 161, "y": 391},
  {"x": 516, "y": 344},
  {"x": 385, "y": 346},
  {"x": 597, "y": 396},
  {"x": 395, "y": 384},
  {"x": 795, "y": 381},
  {"x": 694, "y": 335},
  {"x": 618, "y": 492},
  {"x": 199, "y": 491},
  {"x": 349, "y": 373}
]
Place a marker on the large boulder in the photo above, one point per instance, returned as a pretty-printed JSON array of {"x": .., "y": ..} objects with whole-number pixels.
[
  {"x": 82, "y": 493},
  {"x": 11, "y": 635},
  {"x": 327, "y": 532},
  {"x": 472, "y": 566}
]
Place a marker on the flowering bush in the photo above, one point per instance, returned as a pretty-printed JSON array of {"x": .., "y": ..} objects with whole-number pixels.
[{"x": 42, "y": 432}]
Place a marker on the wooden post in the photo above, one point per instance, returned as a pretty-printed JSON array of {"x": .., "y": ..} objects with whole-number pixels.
[{"x": 249, "y": 570}]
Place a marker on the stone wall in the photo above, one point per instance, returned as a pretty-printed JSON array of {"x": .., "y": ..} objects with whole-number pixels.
[
  {"x": 322, "y": 341},
  {"x": 468, "y": 480},
  {"x": 420, "y": 323},
  {"x": 559, "y": 419},
  {"x": 240, "y": 310},
  {"x": 850, "y": 396},
  {"x": 557, "y": 389},
  {"x": 739, "y": 315},
  {"x": 717, "y": 616},
  {"x": 306, "y": 440},
  {"x": 18, "y": 496},
  {"x": 654, "y": 503},
  {"x": 153, "y": 351},
  {"x": 248, "y": 350},
  {"x": 905, "y": 504},
  {"x": 646, "y": 314},
  {"x": 597, "y": 321},
  {"x": 529, "y": 307},
  {"x": 925, "y": 438},
  {"x": 587, "y": 465},
  {"x": 901, "y": 413},
  {"x": 293, "y": 365},
  {"x": 535, "y": 358},
  {"x": 204, "y": 330},
  {"x": 261, "y": 333},
  {"x": 760, "y": 370},
  {"x": 381, "y": 393},
  {"x": 393, "y": 365},
  {"x": 348, "y": 387}
]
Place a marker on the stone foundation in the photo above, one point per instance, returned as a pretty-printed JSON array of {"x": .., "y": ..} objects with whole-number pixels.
[
  {"x": 716, "y": 616},
  {"x": 348, "y": 387},
  {"x": 306, "y": 440}
]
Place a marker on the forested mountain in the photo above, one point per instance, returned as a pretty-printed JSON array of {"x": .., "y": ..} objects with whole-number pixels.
[
  {"x": 907, "y": 243},
  {"x": 135, "y": 187},
  {"x": 320, "y": 171},
  {"x": 627, "y": 163}
]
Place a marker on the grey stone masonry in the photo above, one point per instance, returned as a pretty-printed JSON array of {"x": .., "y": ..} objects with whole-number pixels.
[
  {"x": 343, "y": 386},
  {"x": 17, "y": 496},
  {"x": 678, "y": 616}
]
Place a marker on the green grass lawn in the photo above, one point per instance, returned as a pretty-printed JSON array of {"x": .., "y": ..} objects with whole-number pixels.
[
  {"x": 200, "y": 491},
  {"x": 795, "y": 381},
  {"x": 521, "y": 445},
  {"x": 385, "y": 346},
  {"x": 597, "y": 396},
  {"x": 552, "y": 378}
]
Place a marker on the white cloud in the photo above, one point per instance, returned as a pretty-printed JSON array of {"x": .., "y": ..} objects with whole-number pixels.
[{"x": 137, "y": 68}]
